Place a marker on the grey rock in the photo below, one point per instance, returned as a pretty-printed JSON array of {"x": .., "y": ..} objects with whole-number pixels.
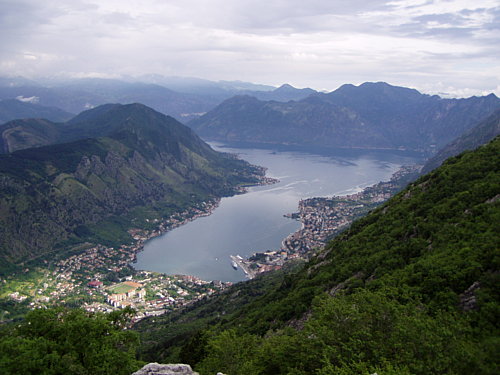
[
  {"x": 468, "y": 299},
  {"x": 161, "y": 369}
]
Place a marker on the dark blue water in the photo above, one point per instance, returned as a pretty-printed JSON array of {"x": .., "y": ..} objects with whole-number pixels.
[{"x": 253, "y": 222}]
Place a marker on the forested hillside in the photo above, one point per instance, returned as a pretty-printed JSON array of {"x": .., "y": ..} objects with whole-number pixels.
[
  {"x": 412, "y": 288},
  {"x": 110, "y": 169}
]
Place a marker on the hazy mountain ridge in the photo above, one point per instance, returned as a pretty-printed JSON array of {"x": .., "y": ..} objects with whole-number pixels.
[
  {"x": 409, "y": 289},
  {"x": 129, "y": 157},
  {"x": 480, "y": 134},
  {"x": 183, "y": 99},
  {"x": 12, "y": 109},
  {"x": 372, "y": 115}
]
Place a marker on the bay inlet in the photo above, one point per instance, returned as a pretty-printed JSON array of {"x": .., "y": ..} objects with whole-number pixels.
[{"x": 255, "y": 222}]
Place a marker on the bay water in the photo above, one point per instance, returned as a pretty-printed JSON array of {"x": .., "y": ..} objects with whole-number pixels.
[{"x": 254, "y": 221}]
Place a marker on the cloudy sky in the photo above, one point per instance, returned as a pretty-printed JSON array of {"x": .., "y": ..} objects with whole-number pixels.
[{"x": 440, "y": 46}]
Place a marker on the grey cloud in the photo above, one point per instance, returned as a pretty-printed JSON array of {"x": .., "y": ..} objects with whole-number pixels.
[
  {"x": 119, "y": 18},
  {"x": 304, "y": 42},
  {"x": 457, "y": 27}
]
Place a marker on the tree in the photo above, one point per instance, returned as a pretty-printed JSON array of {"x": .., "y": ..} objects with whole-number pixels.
[{"x": 69, "y": 341}]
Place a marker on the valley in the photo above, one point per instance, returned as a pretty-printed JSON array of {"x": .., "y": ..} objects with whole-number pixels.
[
  {"x": 122, "y": 210},
  {"x": 67, "y": 279},
  {"x": 250, "y": 187}
]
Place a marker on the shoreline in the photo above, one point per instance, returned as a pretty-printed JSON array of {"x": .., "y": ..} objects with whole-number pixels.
[
  {"x": 170, "y": 224},
  {"x": 322, "y": 218}
]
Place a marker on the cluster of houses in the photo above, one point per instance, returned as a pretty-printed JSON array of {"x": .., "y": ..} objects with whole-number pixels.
[{"x": 130, "y": 291}]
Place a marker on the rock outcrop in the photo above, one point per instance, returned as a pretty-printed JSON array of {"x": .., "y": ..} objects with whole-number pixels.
[
  {"x": 162, "y": 369},
  {"x": 170, "y": 369}
]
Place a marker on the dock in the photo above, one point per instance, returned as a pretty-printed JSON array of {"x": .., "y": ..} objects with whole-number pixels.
[{"x": 249, "y": 273}]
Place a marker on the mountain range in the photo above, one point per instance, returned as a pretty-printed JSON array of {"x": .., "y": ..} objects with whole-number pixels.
[
  {"x": 89, "y": 177},
  {"x": 182, "y": 98},
  {"x": 372, "y": 115},
  {"x": 412, "y": 288}
]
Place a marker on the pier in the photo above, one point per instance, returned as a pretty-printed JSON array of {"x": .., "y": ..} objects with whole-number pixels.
[{"x": 249, "y": 273}]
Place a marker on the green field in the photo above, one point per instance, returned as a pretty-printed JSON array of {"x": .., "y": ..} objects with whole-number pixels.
[{"x": 121, "y": 288}]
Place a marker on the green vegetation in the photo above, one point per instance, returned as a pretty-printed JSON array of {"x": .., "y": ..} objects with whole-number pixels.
[
  {"x": 120, "y": 167},
  {"x": 412, "y": 288},
  {"x": 62, "y": 341}
]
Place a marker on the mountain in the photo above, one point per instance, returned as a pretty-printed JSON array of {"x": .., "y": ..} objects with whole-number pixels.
[
  {"x": 179, "y": 97},
  {"x": 412, "y": 288},
  {"x": 78, "y": 95},
  {"x": 372, "y": 115},
  {"x": 96, "y": 122},
  {"x": 223, "y": 90},
  {"x": 27, "y": 133},
  {"x": 117, "y": 164},
  {"x": 284, "y": 93},
  {"x": 200, "y": 86},
  {"x": 480, "y": 134},
  {"x": 11, "y": 109}
]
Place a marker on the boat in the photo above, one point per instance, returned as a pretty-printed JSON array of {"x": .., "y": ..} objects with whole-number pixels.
[{"x": 234, "y": 264}]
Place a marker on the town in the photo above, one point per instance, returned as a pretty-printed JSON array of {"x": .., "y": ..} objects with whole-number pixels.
[
  {"x": 321, "y": 219},
  {"x": 100, "y": 278}
]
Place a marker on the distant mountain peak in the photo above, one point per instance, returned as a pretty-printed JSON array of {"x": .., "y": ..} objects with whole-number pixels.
[{"x": 285, "y": 87}]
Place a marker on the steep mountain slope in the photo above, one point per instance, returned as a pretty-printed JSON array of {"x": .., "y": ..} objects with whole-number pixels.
[
  {"x": 480, "y": 134},
  {"x": 412, "y": 288},
  {"x": 125, "y": 162},
  {"x": 372, "y": 115},
  {"x": 11, "y": 109}
]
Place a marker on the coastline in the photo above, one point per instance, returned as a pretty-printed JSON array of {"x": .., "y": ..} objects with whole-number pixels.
[
  {"x": 324, "y": 217},
  {"x": 83, "y": 272},
  {"x": 190, "y": 214}
]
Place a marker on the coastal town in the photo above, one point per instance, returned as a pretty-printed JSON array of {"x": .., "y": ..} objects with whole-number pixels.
[
  {"x": 100, "y": 278},
  {"x": 322, "y": 219}
]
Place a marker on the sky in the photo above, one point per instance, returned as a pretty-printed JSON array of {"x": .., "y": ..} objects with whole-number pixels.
[{"x": 447, "y": 47}]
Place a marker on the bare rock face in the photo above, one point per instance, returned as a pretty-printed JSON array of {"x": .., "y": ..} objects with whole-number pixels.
[
  {"x": 161, "y": 369},
  {"x": 468, "y": 300}
]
